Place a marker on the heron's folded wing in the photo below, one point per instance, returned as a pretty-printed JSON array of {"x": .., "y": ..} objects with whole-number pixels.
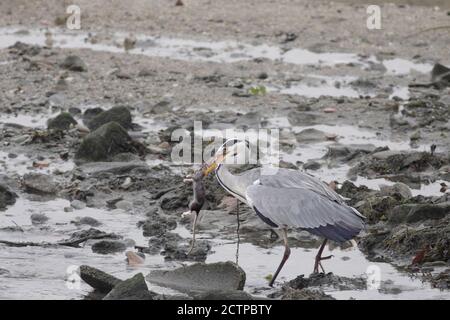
[
  {"x": 304, "y": 208},
  {"x": 288, "y": 178}
]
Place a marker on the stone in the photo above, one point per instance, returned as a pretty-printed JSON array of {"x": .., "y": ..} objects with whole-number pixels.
[
  {"x": 74, "y": 63},
  {"x": 38, "y": 218},
  {"x": 63, "y": 121},
  {"x": 39, "y": 183},
  {"x": 7, "y": 197},
  {"x": 134, "y": 288},
  {"x": 109, "y": 246},
  {"x": 103, "y": 143},
  {"x": 119, "y": 114},
  {"x": 200, "y": 277},
  {"x": 311, "y": 136},
  {"x": 97, "y": 279},
  {"x": 77, "y": 204}
]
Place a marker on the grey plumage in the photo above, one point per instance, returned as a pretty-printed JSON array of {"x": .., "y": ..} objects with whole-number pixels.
[{"x": 291, "y": 198}]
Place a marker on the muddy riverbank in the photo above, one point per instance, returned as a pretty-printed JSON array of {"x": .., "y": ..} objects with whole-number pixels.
[{"x": 96, "y": 185}]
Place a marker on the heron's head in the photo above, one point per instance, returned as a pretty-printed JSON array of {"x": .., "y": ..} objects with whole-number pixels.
[{"x": 233, "y": 151}]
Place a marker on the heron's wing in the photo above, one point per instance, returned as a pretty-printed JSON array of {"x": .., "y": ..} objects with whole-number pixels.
[
  {"x": 306, "y": 209},
  {"x": 288, "y": 178}
]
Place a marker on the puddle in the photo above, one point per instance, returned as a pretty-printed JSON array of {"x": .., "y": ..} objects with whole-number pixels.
[
  {"x": 399, "y": 66},
  {"x": 314, "y": 86},
  {"x": 193, "y": 50},
  {"x": 27, "y": 120},
  {"x": 23, "y": 164}
]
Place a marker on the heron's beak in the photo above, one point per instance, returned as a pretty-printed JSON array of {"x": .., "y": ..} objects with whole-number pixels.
[{"x": 212, "y": 164}]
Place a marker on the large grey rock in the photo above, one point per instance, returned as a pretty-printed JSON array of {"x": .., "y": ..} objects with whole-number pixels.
[
  {"x": 201, "y": 277},
  {"x": 134, "y": 288},
  {"x": 39, "y": 183},
  {"x": 119, "y": 114},
  {"x": 103, "y": 143},
  {"x": 7, "y": 197},
  {"x": 97, "y": 279}
]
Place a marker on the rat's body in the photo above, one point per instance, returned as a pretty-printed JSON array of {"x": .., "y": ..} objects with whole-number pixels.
[{"x": 199, "y": 192}]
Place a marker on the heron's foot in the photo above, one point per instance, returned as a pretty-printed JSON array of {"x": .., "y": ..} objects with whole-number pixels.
[{"x": 318, "y": 264}]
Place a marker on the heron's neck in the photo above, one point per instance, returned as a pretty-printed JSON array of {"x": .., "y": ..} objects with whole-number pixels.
[{"x": 231, "y": 183}]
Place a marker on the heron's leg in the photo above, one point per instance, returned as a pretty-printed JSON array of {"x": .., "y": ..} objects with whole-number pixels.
[
  {"x": 287, "y": 252},
  {"x": 319, "y": 258},
  {"x": 193, "y": 234}
]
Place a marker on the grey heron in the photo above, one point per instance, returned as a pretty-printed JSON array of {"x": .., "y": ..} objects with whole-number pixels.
[{"x": 287, "y": 198}]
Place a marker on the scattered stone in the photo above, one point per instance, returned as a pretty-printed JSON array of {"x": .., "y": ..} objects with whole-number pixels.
[
  {"x": 109, "y": 246},
  {"x": 399, "y": 191},
  {"x": 63, "y": 121},
  {"x": 24, "y": 49},
  {"x": 97, "y": 279},
  {"x": 119, "y": 114},
  {"x": 134, "y": 288},
  {"x": 124, "y": 205},
  {"x": 411, "y": 213},
  {"x": 87, "y": 221},
  {"x": 74, "y": 63},
  {"x": 311, "y": 136},
  {"x": 312, "y": 165},
  {"x": 38, "y": 218},
  {"x": 77, "y": 204},
  {"x": 7, "y": 197},
  {"x": 39, "y": 183},
  {"x": 201, "y": 277}
]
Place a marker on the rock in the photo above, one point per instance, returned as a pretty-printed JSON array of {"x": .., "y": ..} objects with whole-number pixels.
[
  {"x": 77, "y": 204},
  {"x": 173, "y": 251},
  {"x": 312, "y": 165},
  {"x": 109, "y": 246},
  {"x": 146, "y": 73},
  {"x": 97, "y": 279},
  {"x": 63, "y": 121},
  {"x": 87, "y": 221},
  {"x": 305, "y": 294},
  {"x": 7, "y": 197},
  {"x": 158, "y": 226},
  {"x": 38, "y": 218},
  {"x": 223, "y": 295},
  {"x": 119, "y": 114},
  {"x": 91, "y": 113},
  {"x": 328, "y": 280},
  {"x": 200, "y": 277},
  {"x": 22, "y": 49},
  {"x": 103, "y": 143},
  {"x": 74, "y": 63},
  {"x": 39, "y": 183},
  {"x": 411, "y": 213},
  {"x": 311, "y": 136},
  {"x": 399, "y": 191},
  {"x": 134, "y": 288},
  {"x": 124, "y": 205}
]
